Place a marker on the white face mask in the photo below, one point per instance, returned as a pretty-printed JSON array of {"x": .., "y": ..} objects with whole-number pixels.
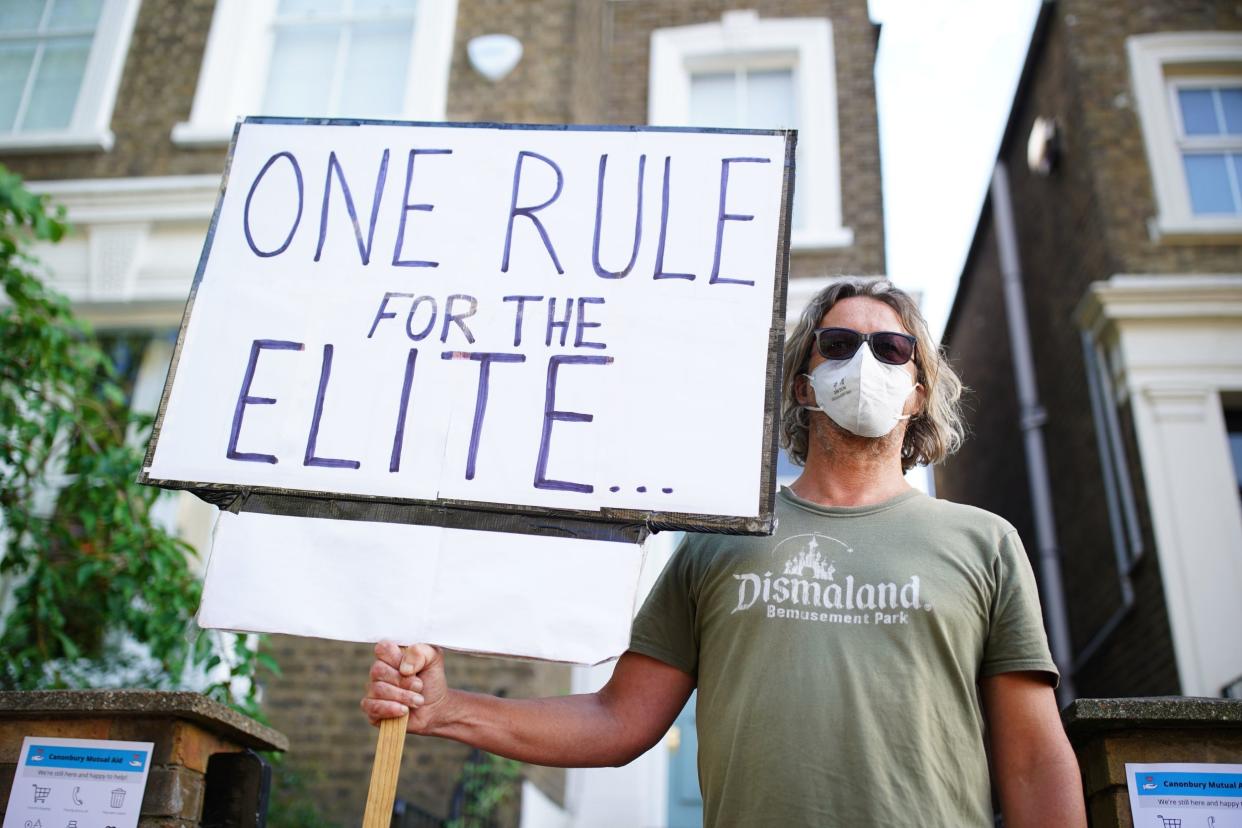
[{"x": 862, "y": 395}]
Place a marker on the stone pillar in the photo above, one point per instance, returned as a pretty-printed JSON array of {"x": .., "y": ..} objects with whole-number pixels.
[
  {"x": 188, "y": 731},
  {"x": 1108, "y": 733}
]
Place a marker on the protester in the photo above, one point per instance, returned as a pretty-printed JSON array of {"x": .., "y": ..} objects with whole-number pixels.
[{"x": 850, "y": 668}]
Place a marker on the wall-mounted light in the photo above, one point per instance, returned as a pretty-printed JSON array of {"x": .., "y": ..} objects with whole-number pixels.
[
  {"x": 1043, "y": 147},
  {"x": 494, "y": 55}
]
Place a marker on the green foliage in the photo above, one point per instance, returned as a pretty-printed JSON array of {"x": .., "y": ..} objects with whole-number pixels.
[
  {"x": 291, "y": 805},
  {"x": 488, "y": 783},
  {"x": 93, "y": 587}
]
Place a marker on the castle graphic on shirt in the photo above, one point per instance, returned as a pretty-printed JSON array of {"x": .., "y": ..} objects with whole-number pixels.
[
  {"x": 810, "y": 562},
  {"x": 807, "y": 588}
]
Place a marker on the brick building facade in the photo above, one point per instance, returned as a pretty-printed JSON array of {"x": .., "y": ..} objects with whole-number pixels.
[
  {"x": 1130, "y": 286},
  {"x": 137, "y": 157}
]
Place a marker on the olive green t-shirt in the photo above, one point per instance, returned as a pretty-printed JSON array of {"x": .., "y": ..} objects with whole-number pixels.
[{"x": 837, "y": 660}]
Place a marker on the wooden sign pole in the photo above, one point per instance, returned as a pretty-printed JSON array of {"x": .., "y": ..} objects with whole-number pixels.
[{"x": 383, "y": 788}]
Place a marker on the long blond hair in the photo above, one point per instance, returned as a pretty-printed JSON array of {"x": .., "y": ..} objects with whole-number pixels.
[{"x": 933, "y": 433}]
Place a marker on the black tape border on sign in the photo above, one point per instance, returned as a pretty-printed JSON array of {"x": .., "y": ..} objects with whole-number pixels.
[{"x": 629, "y": 525}]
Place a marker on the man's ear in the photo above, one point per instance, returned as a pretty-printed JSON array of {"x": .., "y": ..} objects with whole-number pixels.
[
  {"x": 920, "y": 400},
  {"x": 802, "y": 390}
]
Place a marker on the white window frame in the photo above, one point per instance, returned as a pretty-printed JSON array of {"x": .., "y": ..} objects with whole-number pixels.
[
  {"x": 90, "y": 125},
  {"x": 1154, "y": 62},
  {"x": 742, "y": 39},
  {"x": 232, "y": 80},
  {"x": 1206, "y": 143}
]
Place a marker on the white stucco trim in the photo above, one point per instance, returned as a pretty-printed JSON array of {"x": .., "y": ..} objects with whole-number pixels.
[
  {"x": 803, "y": 44},
  {"x": 90, "y": 126},
  {"x": 134, "y": 246},
  {"x": 160, "y": 198},
  {"x": 1174, "y": 345},
  {"x": 1153, "y": 62},
  {"x": 239, "y": 46}
]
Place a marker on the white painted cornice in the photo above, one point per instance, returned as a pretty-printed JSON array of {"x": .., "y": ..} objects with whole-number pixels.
[
  {"x": 165, "y": 198},
  {"x": 134, "y": 244},
  {"x": 1133, "y": 297}
]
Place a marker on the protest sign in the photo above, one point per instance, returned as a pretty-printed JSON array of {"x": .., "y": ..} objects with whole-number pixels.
[
  {"x": 485, "y": 326},
  {"x": 402, "y": 335}
]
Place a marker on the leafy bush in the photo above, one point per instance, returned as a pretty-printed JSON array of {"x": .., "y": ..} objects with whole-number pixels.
[{"x": 92, "y": 590}]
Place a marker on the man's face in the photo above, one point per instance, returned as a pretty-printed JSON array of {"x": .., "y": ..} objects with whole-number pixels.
[{"x": 864, "y": 315}]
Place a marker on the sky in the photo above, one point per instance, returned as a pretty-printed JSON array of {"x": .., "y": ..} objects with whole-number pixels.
[
  {"x": 946, "y": 72},
  {"x": 945, "y": 76}
]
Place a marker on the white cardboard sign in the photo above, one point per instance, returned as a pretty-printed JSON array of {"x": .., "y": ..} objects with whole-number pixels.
[
  {"x": 557, "y": 599},
  {"x": 569, "y": 322}
]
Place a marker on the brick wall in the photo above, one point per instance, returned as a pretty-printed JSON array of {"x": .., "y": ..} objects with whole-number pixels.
[
  {"x": 1095, "y": 35},
  {"x": 538, "y": 89}
]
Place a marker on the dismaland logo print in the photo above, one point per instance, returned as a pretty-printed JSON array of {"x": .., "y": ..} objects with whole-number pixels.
[{"x": 808, "y": 587}]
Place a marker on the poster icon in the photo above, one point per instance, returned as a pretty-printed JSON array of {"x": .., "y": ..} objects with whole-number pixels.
[
  {"x": 41, "y": 794},
  {"x": 118, "y": 797},
  {"x": 1169, "y": 822},
  {"x": 77, "y": 800}
]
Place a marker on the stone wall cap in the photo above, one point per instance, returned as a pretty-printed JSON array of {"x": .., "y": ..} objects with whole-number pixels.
[
  {"x": 1157, "y": 711},
  {"x": 195, "y": 707}
]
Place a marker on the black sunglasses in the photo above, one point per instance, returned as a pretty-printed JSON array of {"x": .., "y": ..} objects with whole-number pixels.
[{"x": 842, "y": 343}]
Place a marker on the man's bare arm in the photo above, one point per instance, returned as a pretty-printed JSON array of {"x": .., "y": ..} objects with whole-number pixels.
[
  {"x": 1036, "y": 773},
  {"x": 610, "y": 727}
]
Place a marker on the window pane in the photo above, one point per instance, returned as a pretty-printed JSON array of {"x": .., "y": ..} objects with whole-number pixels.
[
  {"x": 74, "y": 14},
  {"x": 1198, "y": 111},
  {"x": 713, "y": 99},
  {"x": 1233, "y": 425},
  {"x": 1208, "y": 180},
  {"x": 15, "y": 61},
  {"x": 306, "y": 8},
  {"x": 374, "y": 82},
  {"x": 299, "y": 80},
  {"x": 384, "y": 6},
  {"x": 20, "y": 15},
  {"x": 57, "y": 81},
  {"x": 1231, "y": 103},
  {"x": 770, "y": 101}
]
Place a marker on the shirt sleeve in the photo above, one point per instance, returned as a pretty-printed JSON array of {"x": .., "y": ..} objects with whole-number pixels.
[
  {"x": 1016, "y": 639},
  {"x": 665, "y": 628}
]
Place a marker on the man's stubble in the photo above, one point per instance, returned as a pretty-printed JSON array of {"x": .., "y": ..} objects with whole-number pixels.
[{"x": 837, "y": 441}]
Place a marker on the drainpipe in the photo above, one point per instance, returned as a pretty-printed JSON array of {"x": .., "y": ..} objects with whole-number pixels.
[
  {"x": 1032, "y": 418},
  {"x": 1118, "y": 493}
]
